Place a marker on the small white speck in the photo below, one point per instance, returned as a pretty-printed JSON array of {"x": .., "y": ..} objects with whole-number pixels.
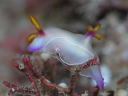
[
  {"x": 13, "y": 89},
  {"x": 64, "y": 85}
]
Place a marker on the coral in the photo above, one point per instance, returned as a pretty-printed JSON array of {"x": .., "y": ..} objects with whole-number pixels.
[{"x": 32, "y": 75}]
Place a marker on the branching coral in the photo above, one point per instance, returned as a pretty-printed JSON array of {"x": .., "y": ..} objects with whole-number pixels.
[{"x": 32, "y": 75}]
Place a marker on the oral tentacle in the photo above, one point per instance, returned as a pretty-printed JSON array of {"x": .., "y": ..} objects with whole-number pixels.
[{"x": 37, "y": 44}]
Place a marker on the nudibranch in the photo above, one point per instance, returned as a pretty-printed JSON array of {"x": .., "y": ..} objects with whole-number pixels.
[{"x": 71, "y": 49}]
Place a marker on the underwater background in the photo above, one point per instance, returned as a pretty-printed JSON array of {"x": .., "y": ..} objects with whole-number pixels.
[{"x": 73, "y": 16}]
